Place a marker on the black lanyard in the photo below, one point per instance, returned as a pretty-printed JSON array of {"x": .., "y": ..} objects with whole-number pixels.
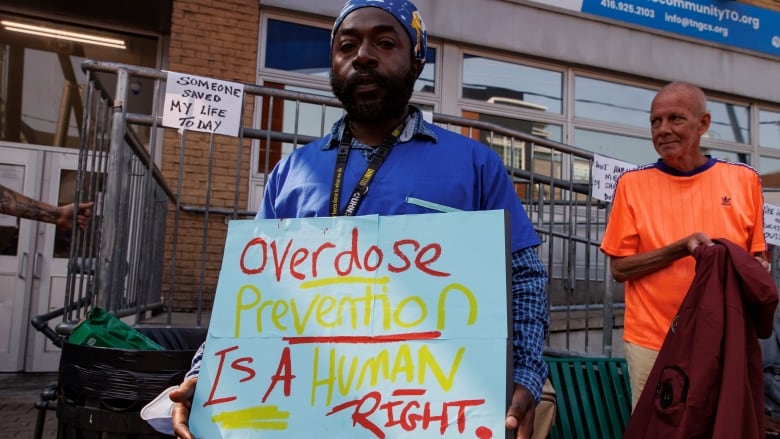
[{"x": 380, "y": 153}]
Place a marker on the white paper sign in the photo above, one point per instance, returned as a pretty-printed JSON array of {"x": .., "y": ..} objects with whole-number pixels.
[
  {"x": 772, "y": 224},
  {"x": 605, "y": 173},
  {"x": 195, "y": 103}
]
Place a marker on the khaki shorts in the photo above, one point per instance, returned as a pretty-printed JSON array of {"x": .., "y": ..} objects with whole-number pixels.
[
  {"x": 640, "y": 362},
  {"x": 544, "y": 416}
]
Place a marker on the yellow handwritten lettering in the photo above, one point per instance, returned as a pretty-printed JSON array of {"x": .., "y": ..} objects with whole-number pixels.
[
  {"x": 324, "y": 308},
  {"x": 407, "y": 367},
  {"x": 300, "y": 325},
  {"x": 241, "y": 306},
  {"x": 427, "y": 360},
  {"x": 278, "y": 311},
  {"x": 352, "y": 311},
  {"x": 267, "y": 417},
  {"x": 259, "y": 321},
  {"x": 345, "y": 381},
  {"x": 472, "y": 301},
  {"x": 403, "y": 364},
  {"x": 375, "y": 365},
  {"x": 327, "y": 381},
  {"x": 422, "y": 314}
]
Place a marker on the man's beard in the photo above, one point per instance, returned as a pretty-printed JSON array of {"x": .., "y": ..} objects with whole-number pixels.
[{"x": 398, "y": 91}]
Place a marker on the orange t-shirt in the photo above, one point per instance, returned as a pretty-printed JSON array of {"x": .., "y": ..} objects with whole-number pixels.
[{"x": 655, "y": 206}]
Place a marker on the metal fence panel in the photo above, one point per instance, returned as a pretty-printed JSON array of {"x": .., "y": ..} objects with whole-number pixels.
[{"x": 165, "y": 197}]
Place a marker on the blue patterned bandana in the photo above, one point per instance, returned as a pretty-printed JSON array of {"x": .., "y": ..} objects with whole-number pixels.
[{"x": 403, "y": 10}]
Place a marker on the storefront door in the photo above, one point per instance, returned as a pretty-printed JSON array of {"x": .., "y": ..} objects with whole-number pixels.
[{"x": 33, "y": 256}]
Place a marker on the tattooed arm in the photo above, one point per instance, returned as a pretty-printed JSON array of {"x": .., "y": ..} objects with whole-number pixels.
[{"x": 16, "y": 204}]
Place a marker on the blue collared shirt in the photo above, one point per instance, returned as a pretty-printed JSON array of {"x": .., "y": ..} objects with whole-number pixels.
[{"x": 428, "y": 170}]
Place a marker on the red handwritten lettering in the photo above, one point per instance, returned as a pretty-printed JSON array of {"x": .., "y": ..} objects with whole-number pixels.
[
  {"x": 377, "y": 258},
  {"x": 462, "y": 405},
  {"x": 397, "y": 250},
  {"x": 423, "y": 264},
  {"x": 359, "y": 417},
  {"x": 298, "y": 258},
  {"x": 238, "y": 365},
  {"x": 300, "y": 262},
  {"x": 279, "y": 263},
  {"x": 484, "y": 433},
  {"x": 316, "y": 255},
  {"x": 351, "y": 254},
  {"x": 250, "y": 244},
  {"x": 211, "y": 401},
  {"x": 406, "y": 412},
  {"x": 283, "y": 373}
]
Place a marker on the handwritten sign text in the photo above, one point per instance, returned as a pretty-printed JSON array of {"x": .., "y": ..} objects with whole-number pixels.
[
  {"x": 359, "y": 327},
  {"x": 202, "y": 104}
]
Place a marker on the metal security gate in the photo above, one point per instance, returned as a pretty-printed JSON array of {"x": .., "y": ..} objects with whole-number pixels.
[{"x": 164, "y": 198}]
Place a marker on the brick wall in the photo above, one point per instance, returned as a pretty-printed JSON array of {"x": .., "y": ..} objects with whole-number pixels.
[{"x": 216, "y": 39}]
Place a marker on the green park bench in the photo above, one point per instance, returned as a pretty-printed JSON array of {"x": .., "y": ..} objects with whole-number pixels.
[{"x": 593, "y": 397}]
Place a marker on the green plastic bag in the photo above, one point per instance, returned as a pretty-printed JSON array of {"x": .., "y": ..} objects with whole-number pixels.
[{"x": 102, "y": 329}]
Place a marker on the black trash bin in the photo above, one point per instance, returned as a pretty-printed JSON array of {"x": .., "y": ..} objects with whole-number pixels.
[{"x": 102, "y": 390}]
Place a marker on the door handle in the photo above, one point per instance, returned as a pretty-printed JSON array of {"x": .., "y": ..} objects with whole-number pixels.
[
  {"x": 22, "y": 265},
  {"x": 37, "y": 265}
]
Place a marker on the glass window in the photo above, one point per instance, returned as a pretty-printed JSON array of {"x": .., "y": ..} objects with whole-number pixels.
[
  {"x": 636, "y": 150},
  {"x": 729, "y": 156},
  {"x": 12, "y": 177},
  {"x": 639, "y": 151},
  {"x": 511, "y": 151},
  {"x": 302, "y": 121},
  {"x": 612, "y": 102},
  {"x": 769, "y": 128},
  {"x": 426, "y": 82},
  {"x": 305, "y": 49},
  {"x": 297, "y": 48},
  {"x": 538, "y": 129},
  {"x": 770, "y": 177},
  {"x": 730, "y": 122},
  {"x": 41, "y": 77},
  {"x": 519, "y": 153},
  {"x": 500, "y": 82},
  {"x": 514, "y": 151}
]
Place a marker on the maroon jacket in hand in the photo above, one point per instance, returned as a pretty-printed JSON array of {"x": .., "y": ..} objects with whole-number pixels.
[{"x": 707, "y": 381}]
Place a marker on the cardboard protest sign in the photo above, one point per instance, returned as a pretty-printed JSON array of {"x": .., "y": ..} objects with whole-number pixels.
[
  {"x": 196, "y": 103},
  {"x": 362, "y": 327}
]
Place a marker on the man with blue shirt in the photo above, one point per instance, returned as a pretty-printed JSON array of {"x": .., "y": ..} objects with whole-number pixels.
[{"x": 383, "y": 158}]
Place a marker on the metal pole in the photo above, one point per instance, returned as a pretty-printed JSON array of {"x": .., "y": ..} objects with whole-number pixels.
[{"x": 114, "y": 218}]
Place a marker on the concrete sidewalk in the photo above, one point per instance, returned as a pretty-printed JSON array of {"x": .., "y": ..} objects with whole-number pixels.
[{"x": 18, "y": 414}]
